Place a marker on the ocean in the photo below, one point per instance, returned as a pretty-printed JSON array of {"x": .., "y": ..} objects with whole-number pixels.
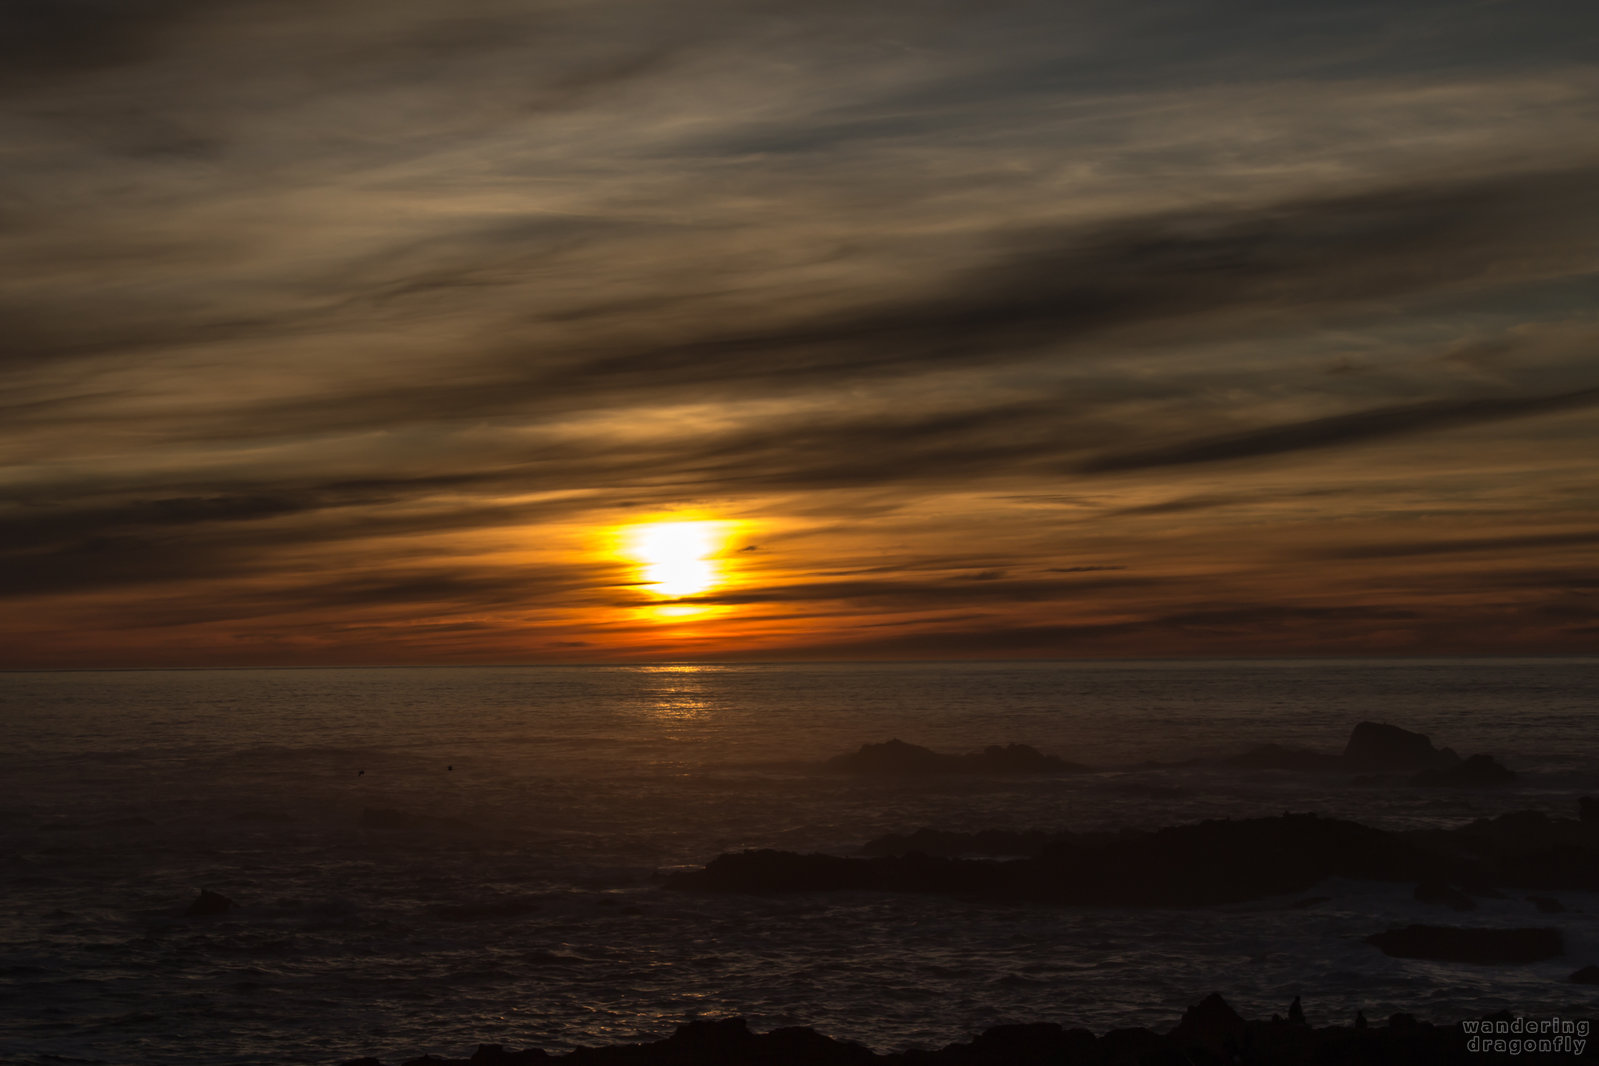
[{"x": 429, "y": 858}]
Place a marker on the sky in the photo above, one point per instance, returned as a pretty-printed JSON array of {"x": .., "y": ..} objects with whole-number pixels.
[{"x": 385, "y": 331}]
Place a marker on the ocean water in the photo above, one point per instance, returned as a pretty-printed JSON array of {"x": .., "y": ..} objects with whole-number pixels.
[{"x": 507, "y": 889}]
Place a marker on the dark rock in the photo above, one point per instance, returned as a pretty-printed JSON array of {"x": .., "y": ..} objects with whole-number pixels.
[
  {"x": 1037, "y": 1044},
  {"x": 208, "y": 904},
  {"x": 495, "y": 1055},
  {"x": 1377, "y": 746},
  {"x": 895, "y": 758},
  {"x": 1547, "y": 904},
  {"x": 1296, "y": 1013},
  {"x": 1211, "y": 1024},
  {"x": 1588, "y": 975},
  {"x": 945, "y": 842},
  {"x": 800, "y": 1046},
  {"x": 1486, "y": 946},
  {"x": 368, "y": 1061},
  {"x": 1479, "y": 771},
  {"x": 1194, "y": 865},
  {"x": 1435, "y": 890},
  {"x": 1129, "y": 1046},
  {"x": 1588, "y": 810}
]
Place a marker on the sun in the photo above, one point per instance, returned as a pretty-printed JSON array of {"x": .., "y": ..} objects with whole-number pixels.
[{"x": 678, "y": 558}]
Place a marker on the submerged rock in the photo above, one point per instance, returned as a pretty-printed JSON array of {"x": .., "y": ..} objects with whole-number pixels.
[
  {"x": 1486, "y": 946},
  {"x": 1379, "y": 746},
  {"x": 1476, "y": 772}
]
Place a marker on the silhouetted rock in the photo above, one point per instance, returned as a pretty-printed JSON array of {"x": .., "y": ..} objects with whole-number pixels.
[
  {"x": 1476, "y": 772},
  {"x": 944, "y": 842},
  {"x": 1547, "y": 904},
  {"x": 1035, "y": 1044},
  {"x": 1378, "y": 746},
  {"x": 1212, "y": 1025},
  {"x": 1588, "y": 975},
  {"x": 1436, "y": 890},
  {"x": 1450, "y": 944},
  {"x": 1588, "y": 810},
  {"x": 896, "y": 758},
  {"x": 1296, "y": 1012},
  {"x": 495, "y": 1055},
  {"x": 209, "y": 904},
  {"x": 1209, "y": 1033},
  {"x": 1193, "y": 865}
]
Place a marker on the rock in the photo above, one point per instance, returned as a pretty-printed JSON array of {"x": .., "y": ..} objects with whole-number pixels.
[
  {"x": 1588, "y": 810},
  {"x": 1377, "y": 746},
  {"x": 1547, "y": 904},
  {"x": 1035, "y": 1044},
  {"x": 1485, "y": 946},
  {"x": 1479, "y": 771},
  {"x": 1213, "y": 1025},
  {"x": 1296, "y": 1013},
  {"x": 209, "y": 904},
  {"x": 1193, "y": 865},
  {"x": 495, "y": 1055},
  {"x": 1137, "y": 1045},
  {"x": 946, "y": 842},
  {"x": 1435, "y": 890},
  {"x": 1588, "y": 975}
]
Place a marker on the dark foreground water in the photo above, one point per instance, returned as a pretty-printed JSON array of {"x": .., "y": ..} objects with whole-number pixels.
[{"x": 510, "y": 895}]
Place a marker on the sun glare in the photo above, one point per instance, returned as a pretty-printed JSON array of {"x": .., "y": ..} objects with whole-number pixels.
[{"x": 678, "y": 557}]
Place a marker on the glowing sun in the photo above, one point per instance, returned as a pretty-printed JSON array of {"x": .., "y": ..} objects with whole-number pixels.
[{"x": 678, "y": 558}]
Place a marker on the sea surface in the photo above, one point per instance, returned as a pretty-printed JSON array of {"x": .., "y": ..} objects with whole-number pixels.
[{"x": 427, "y": 859}]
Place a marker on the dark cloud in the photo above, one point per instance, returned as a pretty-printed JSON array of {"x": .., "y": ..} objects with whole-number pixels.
[
  {"x": 1516, "y": 543},
  {"x": 1337, "y": 430},
  {"x": 53, "y": 37},
  {"x": 959, "y": 589}
]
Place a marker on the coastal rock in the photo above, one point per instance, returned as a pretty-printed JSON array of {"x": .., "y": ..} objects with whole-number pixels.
[
  {"x": 896, "y": 758},
  {"x": 1588, "y": 810},
  {"x": 1486, "y": 946},
  {"x": 209, "y": 904},
  {"x": 1378, "y": 746},
  {"x": 1588, "y": 975},
  {"x": 945, "y": 842},
  {"x": 1194, "y": 865},
  {"x": 495, "y": 1055},
  {"x": 1547, "y": 904},
  {"x": 1478, "y": 771},
  {"x": 1030, "y": 1044},
  {"x": 1210, "y": 1032},
  {"x": 1213, "y": 1025}
]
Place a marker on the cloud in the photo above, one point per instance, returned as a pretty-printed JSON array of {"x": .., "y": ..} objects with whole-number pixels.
[{"x": 1338, "y": 430}]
